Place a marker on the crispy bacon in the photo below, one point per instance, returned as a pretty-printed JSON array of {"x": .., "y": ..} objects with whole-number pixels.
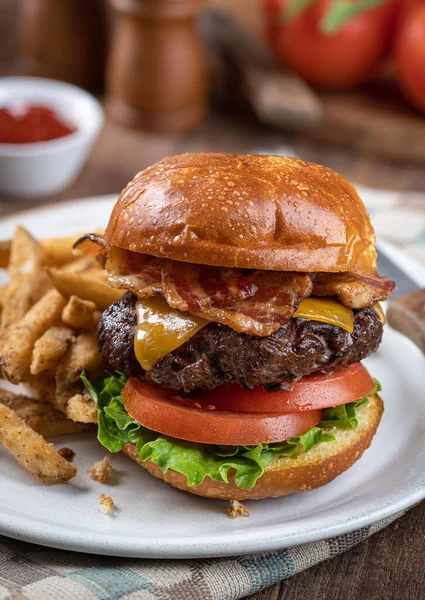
[
  {"x": 251, "y": 302},
  {"x": 92, "y": 244},
  {"x": 248, "y": 301},
  {"x": 139, "y": 273},
  {"x": 357, "y": 289}
]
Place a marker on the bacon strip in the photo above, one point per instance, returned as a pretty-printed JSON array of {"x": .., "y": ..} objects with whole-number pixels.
[
  {"x": 354, "y": 289},
  {"x": 139, "y": 273},
  {"x": 92, "y": 244},
  {"x": 251, "y": 302},
  {"x": 248, "y": 301}
]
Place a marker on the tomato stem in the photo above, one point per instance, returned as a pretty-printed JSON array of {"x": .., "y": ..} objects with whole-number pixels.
[
  {"x": 295, "y": 7},
  {"x": 343, "y": 10}
]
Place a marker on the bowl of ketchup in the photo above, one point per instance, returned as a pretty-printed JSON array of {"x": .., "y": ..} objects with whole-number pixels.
[
  {"x": 31, "y": 124},
  {"x": 47, "y": 130}
]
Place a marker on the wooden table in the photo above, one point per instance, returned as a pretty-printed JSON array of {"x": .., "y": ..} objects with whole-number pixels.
[{"x": 391, "y": 564}]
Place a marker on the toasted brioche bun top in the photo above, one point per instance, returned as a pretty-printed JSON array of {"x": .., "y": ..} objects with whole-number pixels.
[{"x": 248, "y": 211}]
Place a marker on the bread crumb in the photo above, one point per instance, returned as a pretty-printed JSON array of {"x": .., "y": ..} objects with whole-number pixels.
[
  {"x": 101, "y": 470},
  {"x": 67, "y": 453},
  {"x": 236, "y": 509},
  {"x": 106, "y": 504}
]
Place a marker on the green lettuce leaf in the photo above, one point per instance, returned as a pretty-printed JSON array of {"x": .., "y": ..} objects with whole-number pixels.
[
  {"x": 344, "y": 416},
  {"x": 196, "y": 461}
]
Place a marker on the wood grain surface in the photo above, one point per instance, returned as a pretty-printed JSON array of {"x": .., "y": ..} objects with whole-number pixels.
[
  {"x": 388, "y": 566},
  {"x": 391, "y": 564}
]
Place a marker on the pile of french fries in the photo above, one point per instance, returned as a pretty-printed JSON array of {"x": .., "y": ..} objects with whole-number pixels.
[{"x": 49, "y": 314}]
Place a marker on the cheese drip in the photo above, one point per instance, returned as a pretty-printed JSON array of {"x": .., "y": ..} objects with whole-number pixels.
[
  {"x": 379, "y": 313},
  {"x": 326, "y": 310},
  {"x": 160, "y": 330}
]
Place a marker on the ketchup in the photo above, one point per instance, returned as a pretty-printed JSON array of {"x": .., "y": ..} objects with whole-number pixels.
[{"x": 31, "y": 124}]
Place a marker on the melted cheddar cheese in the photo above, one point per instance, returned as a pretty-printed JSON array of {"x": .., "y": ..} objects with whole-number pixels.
[
  {"x": 160, "y": 330},
  {"x": 379, "y": 313},
  {"x": 326, "y": 310}
]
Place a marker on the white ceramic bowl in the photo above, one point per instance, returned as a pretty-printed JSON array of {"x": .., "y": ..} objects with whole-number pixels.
[{"x": 44, "y": 168}]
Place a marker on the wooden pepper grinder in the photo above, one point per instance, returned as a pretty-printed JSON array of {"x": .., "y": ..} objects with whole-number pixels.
[
  {"x": 64, "y": 39},
  {"x": 156, "y": 74}
]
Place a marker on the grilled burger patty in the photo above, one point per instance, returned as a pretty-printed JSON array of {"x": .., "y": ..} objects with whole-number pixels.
[{"x": 217, "y": 355}]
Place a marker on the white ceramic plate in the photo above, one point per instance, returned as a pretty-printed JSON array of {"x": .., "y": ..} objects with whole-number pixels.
[{"x": 154, "y": 520}]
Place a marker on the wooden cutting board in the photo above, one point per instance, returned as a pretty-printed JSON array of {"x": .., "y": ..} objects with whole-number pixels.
[
  {"x": 375, "y": 119},
  {"x": 407, "y": 315}
]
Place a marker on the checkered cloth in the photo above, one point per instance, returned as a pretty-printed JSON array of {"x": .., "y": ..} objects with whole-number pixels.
[{"x": 29, "y": 572}]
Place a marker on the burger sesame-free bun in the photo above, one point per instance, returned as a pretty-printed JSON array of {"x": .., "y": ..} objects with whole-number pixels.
[
  {"x": 248, "y": 211},
  {"x": 288, "y": 475}
]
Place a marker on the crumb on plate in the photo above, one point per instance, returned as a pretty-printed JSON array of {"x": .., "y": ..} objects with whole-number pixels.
[
  {"x": 106, "y": 504},
  {"x": 237, "y": 509},
  {"x": 67, "y": 453},
  {"x": 101, "y": 470}
]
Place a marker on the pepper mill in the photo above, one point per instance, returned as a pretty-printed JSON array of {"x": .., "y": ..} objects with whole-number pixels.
[
  {"x": 156, "y": 74},
  {"x": 64, "y": 39}
]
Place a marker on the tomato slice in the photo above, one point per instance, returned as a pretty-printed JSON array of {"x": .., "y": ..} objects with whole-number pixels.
[
  {"x": 312, "y": 392},
  {"x": 161, "y": 410}
]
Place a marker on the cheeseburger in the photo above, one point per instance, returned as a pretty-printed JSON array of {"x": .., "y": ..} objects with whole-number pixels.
[{"x": 250, "y": 296}]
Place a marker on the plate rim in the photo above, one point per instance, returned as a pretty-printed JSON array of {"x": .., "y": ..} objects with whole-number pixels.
[
  {"x": 190, "y": 548},
  {"x": 103, "y": 544},
  {"x": 51, "y": 205}
]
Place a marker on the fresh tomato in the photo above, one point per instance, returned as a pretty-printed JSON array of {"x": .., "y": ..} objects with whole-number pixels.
[
  {"x": 162, "y": 411},
  {"x": 343, "y": 59},
  {"x": 405, "y": 7},
  {"x": 312, "y": 392},
  {"x": 409, "y": 54}
]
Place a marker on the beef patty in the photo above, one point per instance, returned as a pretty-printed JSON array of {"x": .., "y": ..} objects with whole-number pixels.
[{"x": 217, "y": 354}]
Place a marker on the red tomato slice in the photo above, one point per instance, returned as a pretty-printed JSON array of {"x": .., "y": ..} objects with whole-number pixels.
[
  {"x": 158, "y": 409},
  {"x": 312, "y": 392}
]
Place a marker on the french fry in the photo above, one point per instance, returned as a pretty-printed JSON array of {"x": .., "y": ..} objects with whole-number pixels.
[
  {"x": 86, "y": 265},
  {"x": 50, "y": 348},
  {"x": 85, "y": 287},
  {"x": 58, "y": 250},
  {"x": 19, "y": 339},
  {"x": 40, "y": 416},
  {"x": 3, "y": 289},
  {"x": 91, "y": 244},
  {"x": 81, "y": 409},
  {"x": 42, "y": 386},
  {"x": 79, "y": 313},
  {"x": 82, "y": 355},
  {"x": 4, "y": 253},
  {"x": 32, "y": 451},
  {"x": 82, "y": 264},
  {"x": 27, "y": 277}
]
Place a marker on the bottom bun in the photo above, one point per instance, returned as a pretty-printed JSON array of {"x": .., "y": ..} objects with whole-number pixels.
[{"x": 288, "y": 475}]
